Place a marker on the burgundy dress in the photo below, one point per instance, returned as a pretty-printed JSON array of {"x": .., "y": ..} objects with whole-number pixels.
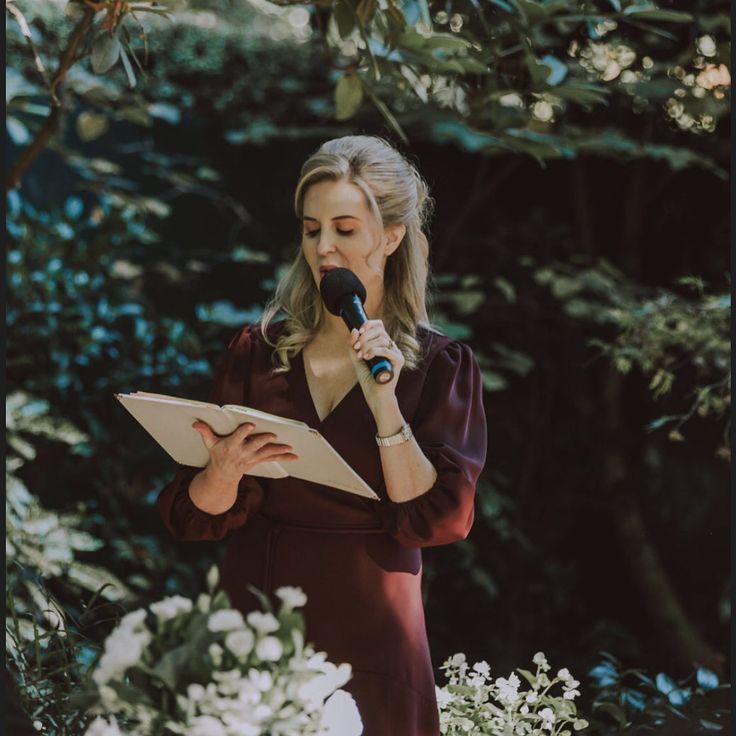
[{"x": 358, "y": 560}]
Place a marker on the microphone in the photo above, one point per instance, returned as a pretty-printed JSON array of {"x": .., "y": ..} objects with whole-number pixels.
[{"x": 343, "y": 294}]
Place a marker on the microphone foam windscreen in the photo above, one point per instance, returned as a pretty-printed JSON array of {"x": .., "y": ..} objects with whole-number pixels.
[{"x": 338, "y": 284}]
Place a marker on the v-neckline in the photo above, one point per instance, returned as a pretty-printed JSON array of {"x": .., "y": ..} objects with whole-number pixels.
[{"x": 310, "y": 400}]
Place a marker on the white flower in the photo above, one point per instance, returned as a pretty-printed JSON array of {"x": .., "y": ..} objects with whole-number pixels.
[
  {"x": 457, "y": 659},
  {"x": 508, "y": 690},
  {"x": 443, "y": 697},
  {"x": 571, "y": 694},
  {"x": 531, "y": 697},
  {"x": 240, "y": 643},
  {"x": 225, "y": 620},
  {"x": 132, "y": 620},
  {"x": 123, "y": 647},
  {"x": 571, "y": 684},
  {"x": 215, "y": 651},
  {"x": 171, "y": 607},
  {"x": 262, "y": 680},
  {"x": 482, "y": 668},
  {"x": 195, "y": 691},
  {"x": 206, "y": 726},
  {"x": 269, "y": 649},
  {"x": 340, "y": 716},
  {"x": 540, "y": 660},
  {"x": 265, "y": 623},
  {"x": 524, "y": 709},
  {"x": 213, "y": 577},
  {"x": 548, "y": 716},
  {"x": 291, "y": 596},
  {"x": 100, "y": 727},
  {"x": 706, "y": 46},
  {"x": 319, "y": 687},
  {"x": 564, "y": 674}
]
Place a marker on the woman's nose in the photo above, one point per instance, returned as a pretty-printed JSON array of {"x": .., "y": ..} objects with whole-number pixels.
[{"x": 326, "y": 243}]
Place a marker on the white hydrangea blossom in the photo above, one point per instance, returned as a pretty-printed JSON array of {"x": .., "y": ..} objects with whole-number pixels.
[
  {"x": 292, "y": 597},
  {"x": 171, "y": 607},
  {"x": 262, "y": 678},
  {"x": 269, "y": 649},
  {"x": 226, "y": 619},
  {"x": 101, "y": 727},
  {"x": 123, "y": 647},
  {"x": 340, "y": 716},
  {"x": 240, "y": 643},
  {"x": 264, "y": 623}
]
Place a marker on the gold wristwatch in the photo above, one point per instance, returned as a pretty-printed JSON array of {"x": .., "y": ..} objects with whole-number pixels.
[{"x": 403, "y": 435}]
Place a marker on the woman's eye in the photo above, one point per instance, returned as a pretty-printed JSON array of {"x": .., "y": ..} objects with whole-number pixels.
[{"x": 313, "y": 233}]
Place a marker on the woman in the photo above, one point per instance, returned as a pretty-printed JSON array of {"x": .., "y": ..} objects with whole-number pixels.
[{"x": 419, "y": 440}]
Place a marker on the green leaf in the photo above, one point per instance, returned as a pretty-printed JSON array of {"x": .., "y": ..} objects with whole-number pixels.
[
  {"x": 348, "y": 96},
  {"x": 665, "y": 683},
  {"x": 172, "y": 663},
  {"x": 558, "y": 69},
  {"x": 105, "y": 53},
  {"x": 710, "y": 725},
  {"x": 128, "y": 67},
  {"x": 412, "y": 40},
  {"x": 90, "y": 126},
  {"x": 528, "y": 676},
  {"x": 584, "y": 93},
  {"x": 344, "y": 16},
  {"x": 17, "y": 131},
  {"x": 506, "y": 288},
  {"x": 671, "y": 16},
  {"x": 493, "y": 381},
  {"x": 455, "y": 330},
  {"x": 707, "y": 679},
  {"x": 366, "y": 9},
  {"x": 612, "y": 709}
]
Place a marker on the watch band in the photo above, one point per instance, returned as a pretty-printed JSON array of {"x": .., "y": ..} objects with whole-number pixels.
[{"x": 403, "y": 435}]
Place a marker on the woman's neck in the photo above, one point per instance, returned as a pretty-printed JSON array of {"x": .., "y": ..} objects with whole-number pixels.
[{"x": 333, "y": 328}]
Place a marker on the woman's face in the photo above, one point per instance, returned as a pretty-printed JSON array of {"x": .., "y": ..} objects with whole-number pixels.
[{"x": 338, "y": 229}]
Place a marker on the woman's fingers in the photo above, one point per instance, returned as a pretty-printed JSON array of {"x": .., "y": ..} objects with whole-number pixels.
[
  {"x": 242, "y": 432},
  {"x": 209, "y": 438}
]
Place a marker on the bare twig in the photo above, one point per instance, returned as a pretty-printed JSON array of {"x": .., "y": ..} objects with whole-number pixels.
[
  {"x": 67, "y": 60},
  {"x": 26, "y": 31}
]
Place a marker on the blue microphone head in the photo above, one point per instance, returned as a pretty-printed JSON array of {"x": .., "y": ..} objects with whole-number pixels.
[{"x": 340, "y": 284}]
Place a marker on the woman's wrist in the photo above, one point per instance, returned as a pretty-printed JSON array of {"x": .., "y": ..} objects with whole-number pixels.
[
  {"x": 388, "y": 417},
  {"x": 212, "y": 493}
]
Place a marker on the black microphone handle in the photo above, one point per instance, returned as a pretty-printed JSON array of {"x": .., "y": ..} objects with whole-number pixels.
[{"x": 353, "y": 314}]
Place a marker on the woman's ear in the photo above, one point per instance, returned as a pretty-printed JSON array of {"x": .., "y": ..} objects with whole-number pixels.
[{"x": 393, "y": 234}]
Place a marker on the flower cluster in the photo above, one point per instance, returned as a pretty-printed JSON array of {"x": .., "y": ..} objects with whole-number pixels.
[
  {"x": 474, "y": 702},
  {"x": 202, "y": 669}
]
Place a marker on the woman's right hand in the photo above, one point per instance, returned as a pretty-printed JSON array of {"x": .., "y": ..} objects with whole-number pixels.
[{"x": 233, "y": 455}]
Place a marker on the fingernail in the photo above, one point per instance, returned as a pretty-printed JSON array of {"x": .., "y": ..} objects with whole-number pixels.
[{"x": 357, "y": 345}]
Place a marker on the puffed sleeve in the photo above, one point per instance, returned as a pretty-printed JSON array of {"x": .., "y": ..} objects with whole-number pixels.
[
  {"x": 182, "y": 518},
  {"x": 450, "y": 428}
]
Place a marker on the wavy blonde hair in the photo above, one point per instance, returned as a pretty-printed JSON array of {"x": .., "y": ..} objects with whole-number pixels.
[{"x": 396, "y": 194}]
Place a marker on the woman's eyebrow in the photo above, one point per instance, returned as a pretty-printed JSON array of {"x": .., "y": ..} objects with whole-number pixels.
[{"x": 339, "y": 217}]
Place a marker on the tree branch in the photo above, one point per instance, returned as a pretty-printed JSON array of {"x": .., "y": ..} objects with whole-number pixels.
[{"x": 67, "y": 60}]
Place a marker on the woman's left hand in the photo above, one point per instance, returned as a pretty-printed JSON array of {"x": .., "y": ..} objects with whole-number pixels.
[{"x": 373, "y": 340}]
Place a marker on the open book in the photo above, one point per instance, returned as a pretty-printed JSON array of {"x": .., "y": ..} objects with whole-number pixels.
[{"x": 169, "y": 420}]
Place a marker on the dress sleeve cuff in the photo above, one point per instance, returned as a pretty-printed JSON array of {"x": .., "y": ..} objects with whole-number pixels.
[{"x": 441, "y": 515}]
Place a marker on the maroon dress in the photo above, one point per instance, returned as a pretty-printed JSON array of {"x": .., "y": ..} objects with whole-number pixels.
[{"x": 358, "y": 560}]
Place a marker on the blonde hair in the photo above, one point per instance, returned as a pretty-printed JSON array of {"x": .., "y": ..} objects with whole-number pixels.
[{"x": 396, "y": 194}]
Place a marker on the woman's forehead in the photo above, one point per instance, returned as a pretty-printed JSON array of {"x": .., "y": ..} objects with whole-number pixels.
[{"x": 334, "y": 199}]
